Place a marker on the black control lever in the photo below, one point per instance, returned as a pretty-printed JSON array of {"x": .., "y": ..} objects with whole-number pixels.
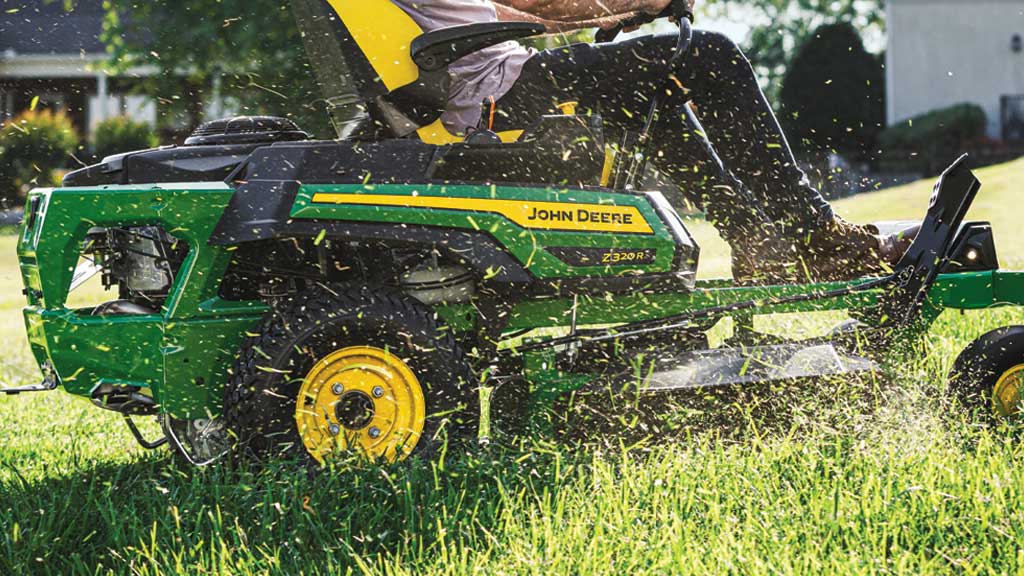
[{"x": 680, "y": 11}]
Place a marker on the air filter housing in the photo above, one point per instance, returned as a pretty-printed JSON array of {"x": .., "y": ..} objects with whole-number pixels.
[{"x": 246, "y": 130}]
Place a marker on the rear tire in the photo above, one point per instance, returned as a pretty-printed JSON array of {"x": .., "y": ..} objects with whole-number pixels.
[
  {"x": 352, "y": 340},
  {"x": 987, "y": 379}
]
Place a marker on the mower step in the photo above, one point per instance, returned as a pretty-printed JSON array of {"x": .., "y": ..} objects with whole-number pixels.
[{"x": 731, "y": 366}]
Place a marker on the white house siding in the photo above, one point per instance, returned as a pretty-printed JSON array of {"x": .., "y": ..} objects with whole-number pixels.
[
  {"x": 100, "y": 106},
  {"x": 138, "y": 108},
  {"x": 944, "y": 52}
]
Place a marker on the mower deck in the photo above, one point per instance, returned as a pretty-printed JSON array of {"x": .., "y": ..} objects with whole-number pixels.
[{"x": 758, "y": 364}]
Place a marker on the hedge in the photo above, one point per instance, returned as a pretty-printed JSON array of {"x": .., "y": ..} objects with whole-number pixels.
[
  {"x": 121, "y": 134},
  {"x": 953, "y": 127},
  {"x": 33, "y": 146}
]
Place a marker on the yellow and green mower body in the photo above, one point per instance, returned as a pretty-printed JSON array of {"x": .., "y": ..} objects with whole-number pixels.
[
  {"x": 283, "y": 215},
  {"x": 533, "y": 257}
]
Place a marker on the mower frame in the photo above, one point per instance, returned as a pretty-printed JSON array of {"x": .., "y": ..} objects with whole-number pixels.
[{"x": 180, "y": 356}]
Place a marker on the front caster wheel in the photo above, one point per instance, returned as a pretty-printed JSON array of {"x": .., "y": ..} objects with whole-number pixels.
[
  {"x": 350, "y": 370},
  {"x": 195, "y": 442},
  {"x": 988, "y": 376}
]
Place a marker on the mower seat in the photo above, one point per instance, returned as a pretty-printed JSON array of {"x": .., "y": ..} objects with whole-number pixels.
[{"x": 382, "y": 76}]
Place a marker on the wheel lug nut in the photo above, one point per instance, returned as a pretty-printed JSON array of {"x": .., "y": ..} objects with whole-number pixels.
[
  {"x": 378, "y": 391},
  {"x": 334, "y": 429},
  {"x": 374, "y": 432},
  {"x": 337, "y": 389}
]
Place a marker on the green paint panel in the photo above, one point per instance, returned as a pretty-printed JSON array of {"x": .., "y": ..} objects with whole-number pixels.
[
  {"x": 197, "y": 356},
  {"x": 137, "y": 350},
  {"x": 89, "y": 351},
  {"x": 978, "y": 290},
  {"x": 966, "y": 291},
  {"x": 527, "y": 245},
  {"x": 1009, "y": 288},
  {"x": 184, "y": 353}
]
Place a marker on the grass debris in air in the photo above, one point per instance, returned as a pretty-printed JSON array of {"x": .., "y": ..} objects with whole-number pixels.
[{"x": 843, "y": 477}]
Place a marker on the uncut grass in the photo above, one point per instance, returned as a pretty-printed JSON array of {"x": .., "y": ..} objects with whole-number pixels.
[{"x": 840, "y": 476}]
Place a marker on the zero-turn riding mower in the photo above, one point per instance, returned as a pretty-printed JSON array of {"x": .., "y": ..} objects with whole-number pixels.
[{"x": 309, "y": 298}]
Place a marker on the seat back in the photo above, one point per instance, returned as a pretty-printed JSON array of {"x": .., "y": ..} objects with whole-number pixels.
[{"x": 360, "y": 51}]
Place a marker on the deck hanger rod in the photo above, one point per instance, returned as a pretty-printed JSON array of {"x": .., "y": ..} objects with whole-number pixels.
[{"x": 683, "y": 320}]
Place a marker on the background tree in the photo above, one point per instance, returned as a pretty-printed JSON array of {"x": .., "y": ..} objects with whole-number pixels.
[
  {"x": 247, "y": 52},
  {"x": 34, "y": 146},
  {"x": 121, "y": 134},
  {"x": 780, "y": 27},
  {"x": 250, "y": 52},
  {"x": 832, "y": 96}
]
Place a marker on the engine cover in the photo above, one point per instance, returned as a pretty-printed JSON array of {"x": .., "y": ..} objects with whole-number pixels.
[{"x": 246, "y": 130}]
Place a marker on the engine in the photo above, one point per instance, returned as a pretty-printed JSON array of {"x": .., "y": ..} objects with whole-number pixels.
[
  {"x": 267, "y": 270},
  {"x": 140, "y": 262}
]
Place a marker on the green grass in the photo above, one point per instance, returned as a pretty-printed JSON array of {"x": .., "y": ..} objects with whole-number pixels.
[{"x": 845, "y": 477}]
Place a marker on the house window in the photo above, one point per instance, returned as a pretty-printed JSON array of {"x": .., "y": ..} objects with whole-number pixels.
[{"x": 1013, "y": 117}]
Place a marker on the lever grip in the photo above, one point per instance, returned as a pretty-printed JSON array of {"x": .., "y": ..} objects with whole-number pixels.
[
  {"x": 677, "y": 10},
  {"x": 680, "y": 10}
]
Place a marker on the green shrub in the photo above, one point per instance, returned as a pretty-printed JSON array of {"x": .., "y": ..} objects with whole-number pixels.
[
  {"x": 33, "y": 145},
  {"x": 937, "y": 131},
  {"x": 833, "y": 93},
  {"x": 122, "y": 134}
]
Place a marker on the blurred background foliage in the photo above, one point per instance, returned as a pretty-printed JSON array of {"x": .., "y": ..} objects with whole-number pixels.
[
  {"x": 779, "y": 28},
  {"x": 832, "y": 96},
  {"x": 34, "y": 146},
  {"x": 250, "y": 52},
  {"x": 119, "y": 134}
]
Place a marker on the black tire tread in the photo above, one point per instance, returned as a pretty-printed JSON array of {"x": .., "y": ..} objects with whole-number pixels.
[
  {"x": 288, "y": 320},
  {"x": 977, "y": 368}
]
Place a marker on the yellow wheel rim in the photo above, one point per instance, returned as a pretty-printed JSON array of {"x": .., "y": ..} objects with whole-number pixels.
[
  {"x": 362, "y": 399},
  {"x": 1006, "y": 400}
]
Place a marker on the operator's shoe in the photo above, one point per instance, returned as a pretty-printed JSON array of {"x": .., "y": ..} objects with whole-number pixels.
[
  {"x": 841, "y": 251},
  {"x": 837, "y": 252},
  {"x": 764, "y": 259},
  {"x": 898, "y": 238}
]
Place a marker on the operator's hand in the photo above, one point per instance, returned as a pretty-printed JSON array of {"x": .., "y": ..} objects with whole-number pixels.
[
  {"x": 610, "y": 22},
  {"x": 657, "y": 6}
]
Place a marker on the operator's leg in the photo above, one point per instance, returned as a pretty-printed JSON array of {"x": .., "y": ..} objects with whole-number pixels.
[
  {"x": 744, "y": 128},
  {"x": 618, "y": 81},
  {"x": 747, "y": 133}
]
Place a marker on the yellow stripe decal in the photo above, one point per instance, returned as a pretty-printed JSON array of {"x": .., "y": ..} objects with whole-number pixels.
[{"x": 526, "y": 213}]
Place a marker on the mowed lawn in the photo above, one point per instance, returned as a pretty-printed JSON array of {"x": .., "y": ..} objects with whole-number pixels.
[{"x": 844, "y": 477}]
